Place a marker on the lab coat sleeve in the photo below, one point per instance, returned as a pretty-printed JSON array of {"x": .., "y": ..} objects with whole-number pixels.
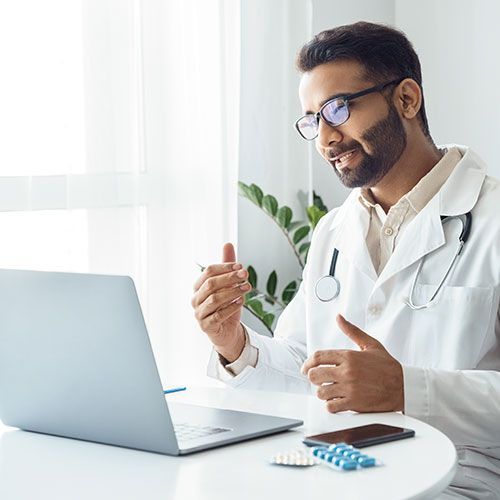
[{"x": 464, "y": 404}]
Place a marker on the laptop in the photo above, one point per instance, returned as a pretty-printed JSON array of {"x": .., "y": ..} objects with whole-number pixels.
[{"x": 76, "y": 361}]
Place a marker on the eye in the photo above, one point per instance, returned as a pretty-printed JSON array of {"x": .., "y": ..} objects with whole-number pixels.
[{"x": 335, "y": 112}]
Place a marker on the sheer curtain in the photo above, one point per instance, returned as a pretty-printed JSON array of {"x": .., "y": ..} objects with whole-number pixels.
[{"x": 119, "y": 140}]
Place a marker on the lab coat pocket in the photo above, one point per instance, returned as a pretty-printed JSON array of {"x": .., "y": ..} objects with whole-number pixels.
[{"x": 450, "y": 332}]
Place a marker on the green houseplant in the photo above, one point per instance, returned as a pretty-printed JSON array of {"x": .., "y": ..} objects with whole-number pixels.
[{"x": 296, "y": 233}]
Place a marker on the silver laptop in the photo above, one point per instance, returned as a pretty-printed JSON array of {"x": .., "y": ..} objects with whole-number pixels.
[{"x": 76, "y": 361}]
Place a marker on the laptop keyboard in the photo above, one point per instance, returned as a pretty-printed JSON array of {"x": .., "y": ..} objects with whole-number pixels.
[{"x": 186, "y": 432}]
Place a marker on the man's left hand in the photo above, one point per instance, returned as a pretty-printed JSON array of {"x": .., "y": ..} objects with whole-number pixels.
[{"x": 369, "y": 380}]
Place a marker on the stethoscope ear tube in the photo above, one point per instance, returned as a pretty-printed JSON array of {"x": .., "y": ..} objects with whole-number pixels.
[
  {"x": 333, "y": 264},
  {"x": 466, "y": 220}
]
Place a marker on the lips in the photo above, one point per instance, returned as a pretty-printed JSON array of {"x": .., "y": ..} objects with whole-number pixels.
[{"x": 343, "y": 160}]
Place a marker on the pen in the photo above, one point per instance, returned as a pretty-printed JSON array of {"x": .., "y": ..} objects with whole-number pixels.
[{"x": 175, "y": 389}]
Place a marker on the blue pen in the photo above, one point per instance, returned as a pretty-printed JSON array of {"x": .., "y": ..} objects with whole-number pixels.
[{"x": 175, "y": 389}]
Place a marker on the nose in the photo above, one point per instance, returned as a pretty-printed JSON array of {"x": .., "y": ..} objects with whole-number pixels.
[{"x": 327, "y": 135}]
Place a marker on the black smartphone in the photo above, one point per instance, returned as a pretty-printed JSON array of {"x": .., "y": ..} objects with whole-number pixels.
[{"x": 365, "y": 435}]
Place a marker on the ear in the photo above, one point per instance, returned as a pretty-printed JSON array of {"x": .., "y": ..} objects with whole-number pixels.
[{"x": 409, "y": 98}]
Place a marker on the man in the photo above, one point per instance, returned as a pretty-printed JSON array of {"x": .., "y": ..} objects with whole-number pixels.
[{"x": 373, "y": 348}]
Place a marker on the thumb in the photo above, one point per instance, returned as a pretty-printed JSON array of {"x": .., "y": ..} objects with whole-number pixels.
[
  {"x": 228, "y": 254},
  {"x": 358, "y": 336}
]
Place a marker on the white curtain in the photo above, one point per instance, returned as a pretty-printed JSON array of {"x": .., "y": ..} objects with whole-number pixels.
[{"x": 119, "y": 139}]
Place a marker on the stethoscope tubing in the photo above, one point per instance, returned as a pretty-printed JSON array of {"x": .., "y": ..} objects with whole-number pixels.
[{"x": 328, "y": 287}]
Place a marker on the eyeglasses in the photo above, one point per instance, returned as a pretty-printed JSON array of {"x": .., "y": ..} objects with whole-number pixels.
[{"x": 334, "y": 112}]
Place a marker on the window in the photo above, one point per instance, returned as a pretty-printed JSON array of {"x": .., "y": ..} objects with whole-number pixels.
[{"x": 119, "y": 139}]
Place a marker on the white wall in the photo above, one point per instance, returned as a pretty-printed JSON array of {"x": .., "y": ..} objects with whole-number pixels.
[{"x": 457, "y": 42}]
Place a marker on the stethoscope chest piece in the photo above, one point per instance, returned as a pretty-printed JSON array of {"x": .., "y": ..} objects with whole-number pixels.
[{"x": 327, "y": 288}]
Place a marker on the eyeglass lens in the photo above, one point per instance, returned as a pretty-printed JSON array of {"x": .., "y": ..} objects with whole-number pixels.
[
  {"x": 335, "y": 113},
  {"x": 308, "y": 126}
]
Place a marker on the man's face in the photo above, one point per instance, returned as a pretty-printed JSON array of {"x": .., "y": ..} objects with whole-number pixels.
[{"x": 373, "y": 133}]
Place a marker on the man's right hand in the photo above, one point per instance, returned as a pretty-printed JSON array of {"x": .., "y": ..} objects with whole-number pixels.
[{"x": 217, "y": 303}]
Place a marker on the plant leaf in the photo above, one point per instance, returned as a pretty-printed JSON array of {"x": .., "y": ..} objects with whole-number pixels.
[
  {"x": 244, "y": 190},
  {"x": 289, "y": 292},
  {"x": 314, "y": 214},
  {"x": 270, "y": 204},
  {"x": 304, "y": 247},
  {"x": 318, "y": 202},
  {"x": 295, "y": 224},
  {"x": 250, "y": 295},
  {"x": 256, "y": 194},
  {"x": 284, "y": 216},
  {"x": 256, "y": 306},
  {"x": 272, "y": 281},
  {"x": 252, "y": 277},
  {"x": 268, "y": 319},
  {"x": 300, "y": 234}
]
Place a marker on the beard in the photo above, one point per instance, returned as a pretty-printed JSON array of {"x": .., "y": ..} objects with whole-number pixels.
[{"x": 387, "y": 140}]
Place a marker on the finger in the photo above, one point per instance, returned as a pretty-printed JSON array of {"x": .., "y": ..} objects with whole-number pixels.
[
  {"x": 221, "y": 315},
  {"x": 228, "y": 253},
  {"x": 215, "y": 270},
  {"x": 218, "y": 300},
  {"x": 325, "y": 357},
  {"x": 215, "y": 284},
  {"x": 323, "y": 374},
  {"x": 338, "y": 404},
  {"x": 358, "y": 336},
  {"x": 331, "y": 391}
]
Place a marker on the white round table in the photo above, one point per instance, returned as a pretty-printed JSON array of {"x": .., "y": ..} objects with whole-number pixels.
[{"x": 47, "y": 467}]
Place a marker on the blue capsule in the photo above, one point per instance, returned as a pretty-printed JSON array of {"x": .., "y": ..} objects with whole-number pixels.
[
  {"x": 347, "y": 451},
  {"x": 347, "y": 464},
  {"x": 366, "y": 461},
  {"x": 336, "y": 460},
  {"x": 316, "y": 449},
  {"x": 337, "y": 448}
]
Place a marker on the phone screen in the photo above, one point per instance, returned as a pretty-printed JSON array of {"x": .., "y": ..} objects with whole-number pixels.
[{"x": 364, "y": 435}]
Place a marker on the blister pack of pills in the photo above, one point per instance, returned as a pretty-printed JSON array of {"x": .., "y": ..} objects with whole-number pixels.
[
  {"x": 343, "y": 457},
  {"x": 340, "y": 456},
  {"x": 295, "y": 458}
]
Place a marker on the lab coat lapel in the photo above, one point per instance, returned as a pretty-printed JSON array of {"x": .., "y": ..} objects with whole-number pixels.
[
  {"x": 351, "y": 226},
  {"x": 425, "y": 233}
]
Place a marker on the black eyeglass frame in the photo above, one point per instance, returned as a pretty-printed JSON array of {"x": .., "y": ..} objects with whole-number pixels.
[{"x": 346, "y": 99}]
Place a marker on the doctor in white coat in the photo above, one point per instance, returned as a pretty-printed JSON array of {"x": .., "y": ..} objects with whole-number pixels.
[{"x": 368, "y": 346}]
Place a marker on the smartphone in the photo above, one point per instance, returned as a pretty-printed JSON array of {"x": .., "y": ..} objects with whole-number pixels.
[{"x": 365, "y": 435}]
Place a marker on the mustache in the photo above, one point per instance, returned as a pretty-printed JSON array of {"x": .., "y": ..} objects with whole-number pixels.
[{"x": 337, "y": 151}]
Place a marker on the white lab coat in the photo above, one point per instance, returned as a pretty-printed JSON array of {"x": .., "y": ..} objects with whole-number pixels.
[{"x": 450, "y": 352}]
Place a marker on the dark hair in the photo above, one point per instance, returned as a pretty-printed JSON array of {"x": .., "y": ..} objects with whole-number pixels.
[{"x": 384, "y": 52}]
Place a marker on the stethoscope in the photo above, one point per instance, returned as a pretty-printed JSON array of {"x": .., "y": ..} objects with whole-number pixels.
[{"x": 328, "y": 287}]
